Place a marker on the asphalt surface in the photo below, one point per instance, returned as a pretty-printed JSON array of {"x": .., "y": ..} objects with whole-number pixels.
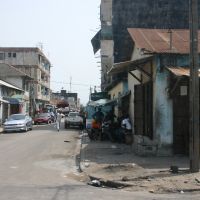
[{"x": 35, "y": 165}]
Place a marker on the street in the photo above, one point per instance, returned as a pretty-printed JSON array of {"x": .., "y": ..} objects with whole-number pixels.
[{"x": 38, "y": 165}]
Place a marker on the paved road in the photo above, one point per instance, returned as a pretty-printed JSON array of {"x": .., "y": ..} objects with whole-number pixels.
[{"x": 35, "y": 165}]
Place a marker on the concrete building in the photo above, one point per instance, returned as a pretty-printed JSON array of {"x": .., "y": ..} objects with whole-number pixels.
[
  {"x": 66, "y": 99},
  {"x": 9, "y": 105},
  {"x": 18, "y": 79},
  {"x": 35, "y": 64}
]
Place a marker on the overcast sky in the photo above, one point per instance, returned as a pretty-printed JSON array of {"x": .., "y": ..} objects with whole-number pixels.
[{"x": 65, "y": 28}]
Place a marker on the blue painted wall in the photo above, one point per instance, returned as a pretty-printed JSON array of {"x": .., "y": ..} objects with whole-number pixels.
[
  {"x": 163, "y": 111},
  {"x": 163, "y": 105}
]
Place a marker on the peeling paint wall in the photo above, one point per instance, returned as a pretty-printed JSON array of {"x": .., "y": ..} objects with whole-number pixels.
[{"x": 163, "y": 111}]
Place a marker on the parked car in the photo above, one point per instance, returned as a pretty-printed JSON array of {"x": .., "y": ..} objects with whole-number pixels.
[
  {"x": 73, "y": 119},
  {"x": 44, "y": 118},
  {"x": 18, "y": 122}
]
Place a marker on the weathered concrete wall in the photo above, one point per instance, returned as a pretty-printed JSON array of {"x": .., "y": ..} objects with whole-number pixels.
[
  {"x": 162, "y": 112},
  {"x": 106, "y": 11},
  {"x": 145, "y": 14},
  {"x": 22, "y": 58},
  {"x": 16, "y": 81},
  {"x": 118, "y": 89}
]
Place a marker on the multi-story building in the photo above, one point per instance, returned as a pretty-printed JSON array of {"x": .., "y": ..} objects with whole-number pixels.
[{"x": 35, "y": 64}]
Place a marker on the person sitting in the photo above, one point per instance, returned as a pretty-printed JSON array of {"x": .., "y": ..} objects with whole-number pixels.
[
  {"x": 98, "y": 116},
  {"x": 96, "y": 124},
  {"x": 126, "y": 124}
]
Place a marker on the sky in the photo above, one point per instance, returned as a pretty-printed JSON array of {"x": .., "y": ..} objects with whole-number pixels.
[{"x": 64, "y": 29}]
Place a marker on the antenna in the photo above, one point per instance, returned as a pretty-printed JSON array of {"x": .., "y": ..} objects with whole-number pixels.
[
  {"x": 40, "y": 46},
  {"x": 70, "y": 84}
]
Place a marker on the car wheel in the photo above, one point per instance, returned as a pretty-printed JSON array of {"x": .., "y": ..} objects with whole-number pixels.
[
  {"x": 66, "y": 126},
  {"x": 26, "y": 128},
  {"x": 49, "y": 121}
]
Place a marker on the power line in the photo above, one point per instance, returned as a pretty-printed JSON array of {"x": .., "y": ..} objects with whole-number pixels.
[{"x": 78, "y": 84}]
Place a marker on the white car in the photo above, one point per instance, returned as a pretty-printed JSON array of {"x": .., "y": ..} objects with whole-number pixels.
[{"x": 73, "y": 119}]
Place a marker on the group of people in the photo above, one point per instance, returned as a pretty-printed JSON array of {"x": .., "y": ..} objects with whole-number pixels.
[{"x": 119, "y": 127}]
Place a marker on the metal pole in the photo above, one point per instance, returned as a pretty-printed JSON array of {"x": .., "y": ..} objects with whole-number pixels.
[{"x": 194, "y": 87}]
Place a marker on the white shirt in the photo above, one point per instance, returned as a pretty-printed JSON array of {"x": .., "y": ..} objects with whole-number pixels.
[
  {"x": 59, "y": 117},
  {"x": 126, "y": 123}
]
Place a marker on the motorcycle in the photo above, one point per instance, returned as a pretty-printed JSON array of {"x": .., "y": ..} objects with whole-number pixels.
[
  {"x": 107, "y": 130},
  {"x": 95, "y": 132}
]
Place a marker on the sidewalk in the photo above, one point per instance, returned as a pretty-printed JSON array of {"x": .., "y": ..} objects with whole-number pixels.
[{"x": 116, "y": 163}]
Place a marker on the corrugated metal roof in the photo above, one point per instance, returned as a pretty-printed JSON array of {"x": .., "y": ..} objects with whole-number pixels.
[
  {"x": 180, "y": 71},
  {"x": 9, "y": 85},
  {"x": 158, "y": 40}
]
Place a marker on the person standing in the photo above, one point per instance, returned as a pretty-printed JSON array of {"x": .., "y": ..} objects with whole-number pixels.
[{"x": 58, "y": 121}]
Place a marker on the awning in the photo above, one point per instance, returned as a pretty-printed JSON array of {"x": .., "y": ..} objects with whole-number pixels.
[
  {"x": 180, "y": 71},
  {"x": 96, "y": 42},
  {"x": 18, "y": 96},
  {"x": 13, "y": 101},
  {"x": 101, "y": 102},
  {"x": 9, "y": 85},
  {"x": 128, "y": 65},
  {"x": 4, "y": 101}
]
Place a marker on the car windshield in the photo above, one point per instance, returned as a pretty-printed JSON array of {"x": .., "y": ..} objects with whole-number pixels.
[
  {"x": 16, "y": 117},
  {"x": 73, "y": 114},
  {"x": 43, "y": 115}
]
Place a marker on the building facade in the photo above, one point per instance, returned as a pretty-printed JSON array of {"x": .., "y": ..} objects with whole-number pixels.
[
  {"x": 116, "y": 16},
  {"x": 35, "y": 64}
]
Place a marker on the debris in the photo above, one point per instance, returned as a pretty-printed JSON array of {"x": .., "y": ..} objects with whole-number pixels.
[
  {"x": 151, "y": 191},
  {"x": 174, "y": 169},
  {"x": 181, "y": 192},
  {"x": 197, "y": 180},
  {"x": 95, "y": 183},
  {"x": 113, "y": 147},
  {"x": 86, "y": 164},
  {"x": 125, "y": 178}
]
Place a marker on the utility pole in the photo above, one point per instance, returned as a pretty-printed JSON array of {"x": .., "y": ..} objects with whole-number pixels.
[{"x": 194, "y": 87}]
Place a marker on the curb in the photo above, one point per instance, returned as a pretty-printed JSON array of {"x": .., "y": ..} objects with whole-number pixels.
[{"x": 105, "y": 183}]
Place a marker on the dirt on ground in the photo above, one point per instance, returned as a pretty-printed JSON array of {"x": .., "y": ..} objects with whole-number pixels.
[{"x": 117, "y": 164}]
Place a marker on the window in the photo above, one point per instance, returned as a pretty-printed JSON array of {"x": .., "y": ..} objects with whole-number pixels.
[
  {"x": 2, "y": 56},
  {"x": 9, "y": 55},
  {"x": 14, "y": 55}
]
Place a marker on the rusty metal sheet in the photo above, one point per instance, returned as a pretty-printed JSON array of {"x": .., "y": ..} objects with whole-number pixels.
[
  {"x": 158, "y": 40},
  {"x": 180, "y": 71}
]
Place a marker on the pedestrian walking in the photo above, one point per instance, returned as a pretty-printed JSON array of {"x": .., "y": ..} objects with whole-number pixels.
[{"x": 58, "y": 121}]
